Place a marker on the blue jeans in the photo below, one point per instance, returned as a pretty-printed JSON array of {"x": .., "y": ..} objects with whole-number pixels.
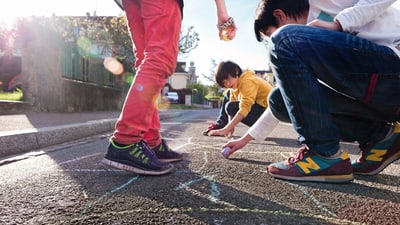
[
  {"x": 335, "y": 86},
  {"x": 223, "y": 118},
  {"x": 230, "y": 108}
]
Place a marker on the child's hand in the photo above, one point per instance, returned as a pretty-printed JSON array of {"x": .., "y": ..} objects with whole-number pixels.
[
  {"x": 221, "y": 132},
  {"x": 236, "y": 144},
  {"x": 218, "y": 132},
  {"x": 228, "y": 34},
  {"x": 230, "y": 133},
  {"x": 327, "y": 25},
  {"x": 227, "y": 29}
]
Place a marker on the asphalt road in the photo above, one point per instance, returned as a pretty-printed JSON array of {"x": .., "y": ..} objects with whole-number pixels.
[{"x": 65, "y": 184}]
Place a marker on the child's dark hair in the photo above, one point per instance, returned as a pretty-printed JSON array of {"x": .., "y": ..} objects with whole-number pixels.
[
  {"x": 226, "y": 69},
  {"x": 265, "y": 13}
]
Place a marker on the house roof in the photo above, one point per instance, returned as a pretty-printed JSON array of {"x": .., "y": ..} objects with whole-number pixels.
[
  {"x": 262, "y": 71},
  {"x": 180, "y": 67}
]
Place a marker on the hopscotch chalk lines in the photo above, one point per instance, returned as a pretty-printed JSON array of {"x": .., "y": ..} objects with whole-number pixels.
[{"x": 213, "y": 196}]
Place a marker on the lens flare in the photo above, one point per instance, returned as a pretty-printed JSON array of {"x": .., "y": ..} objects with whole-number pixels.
[{"x": 113, "y": 65}]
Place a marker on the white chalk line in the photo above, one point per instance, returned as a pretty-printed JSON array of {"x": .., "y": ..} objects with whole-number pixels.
[
  {"x": 313, "y": 198},
  {"x": 232, "y": 210},
  {"x": 79, "y": 158},
  {"x": 105, "y": 195}
]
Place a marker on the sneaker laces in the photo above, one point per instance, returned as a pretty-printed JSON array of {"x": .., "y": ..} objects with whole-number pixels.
[
  {"x": 300, "y": 155},
  {"x": 143, "y": 152},
  {"x": 163, "y": 146}
]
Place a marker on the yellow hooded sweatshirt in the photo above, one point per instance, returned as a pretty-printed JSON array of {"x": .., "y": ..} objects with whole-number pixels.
[{"x": 251, "y": 89}]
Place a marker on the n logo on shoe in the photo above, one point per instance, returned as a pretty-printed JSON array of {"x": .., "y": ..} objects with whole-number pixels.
[
  {"x": 307, "y": 164},
  {"x": 376, "y": 155}
]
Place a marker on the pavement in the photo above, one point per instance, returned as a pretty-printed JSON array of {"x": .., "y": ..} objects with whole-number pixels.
[{"x": 21, "y": 133}]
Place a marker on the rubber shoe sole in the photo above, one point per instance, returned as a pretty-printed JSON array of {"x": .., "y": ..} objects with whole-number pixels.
[
  {"x": 346, "y": 178},
  {"x": 125, "y": 167},
  {"x": 308, "y": 166},
  {"x": 390, "y": 160}
]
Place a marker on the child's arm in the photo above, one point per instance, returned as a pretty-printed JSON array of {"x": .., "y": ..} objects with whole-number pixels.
[
  {"x": 225, "y": 20},
  {"x": 263, "y": 126},
  {"x": 260, "y": 130},
  {"x": 229, "y": 128},
  {"x": 356, "y": 16},
  {"x": 222, "y": 12}
]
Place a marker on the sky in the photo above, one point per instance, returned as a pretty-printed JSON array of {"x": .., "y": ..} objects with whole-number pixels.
[{"x": 244, "y": 49}]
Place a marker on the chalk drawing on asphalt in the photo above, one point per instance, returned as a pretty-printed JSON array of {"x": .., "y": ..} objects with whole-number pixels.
[{"x": 214, "y": 194}]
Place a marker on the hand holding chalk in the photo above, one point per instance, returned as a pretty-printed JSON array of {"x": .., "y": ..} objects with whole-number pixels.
[{"x": 226, "y": 152}]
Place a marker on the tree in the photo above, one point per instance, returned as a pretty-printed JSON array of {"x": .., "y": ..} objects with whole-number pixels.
[
  {"x": 210, "y": 77},
  {"x": 188, "y": 41},
  {"x": 198, "y": 92},
  {"x": 8, "y": 63},
  {"x": 120, "y": 36},
  {"x": 214, "y": 88},
  {"x": 7, "y": 38},
  {"x": 109, "y": 32}
]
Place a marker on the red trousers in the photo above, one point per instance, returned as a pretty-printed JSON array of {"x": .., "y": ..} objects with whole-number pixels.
[{"x": 154, "y": 26}]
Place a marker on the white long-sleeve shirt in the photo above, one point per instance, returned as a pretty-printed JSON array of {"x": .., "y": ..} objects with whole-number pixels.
[
  {"x": 263, "y": 126},
  {"x": 375, "y": 20}
]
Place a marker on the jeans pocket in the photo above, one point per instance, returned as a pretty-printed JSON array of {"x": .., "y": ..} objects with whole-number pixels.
[{"x": 380, "y": 91}]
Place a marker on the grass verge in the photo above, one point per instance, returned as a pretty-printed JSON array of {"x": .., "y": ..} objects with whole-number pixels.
[{"x": 12, "y": 96}]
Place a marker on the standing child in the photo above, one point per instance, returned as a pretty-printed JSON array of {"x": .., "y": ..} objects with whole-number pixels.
[{"x": 137, "y": 145}]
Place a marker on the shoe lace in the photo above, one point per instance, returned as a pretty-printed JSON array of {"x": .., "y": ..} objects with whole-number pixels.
[
  {"x": 140, "y": 150},
  {"x": 163, "y": 146},
  {"x": 300, "y": 155}
]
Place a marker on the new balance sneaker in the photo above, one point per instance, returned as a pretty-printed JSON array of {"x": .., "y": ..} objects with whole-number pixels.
[
  {"x": 309, "y": 166},
  {"x": 213, "y": 126},
  {"x": 375, "y": 158},
  {"x": 137, "y": 158},
  {"x": 165, "y": 153}
]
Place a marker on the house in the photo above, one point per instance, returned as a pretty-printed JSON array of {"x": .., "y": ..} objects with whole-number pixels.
[
  {"x": 179, "y": 79},
  {"x": 266, "y": 75}
]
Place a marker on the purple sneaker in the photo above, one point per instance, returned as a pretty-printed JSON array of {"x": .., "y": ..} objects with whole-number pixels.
[
  {"x": 137, "y": 158},
  {"x": 373, "y": 159},
  {"x": 309, "y": 166},
  {"x": 166, "y": 154}
]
